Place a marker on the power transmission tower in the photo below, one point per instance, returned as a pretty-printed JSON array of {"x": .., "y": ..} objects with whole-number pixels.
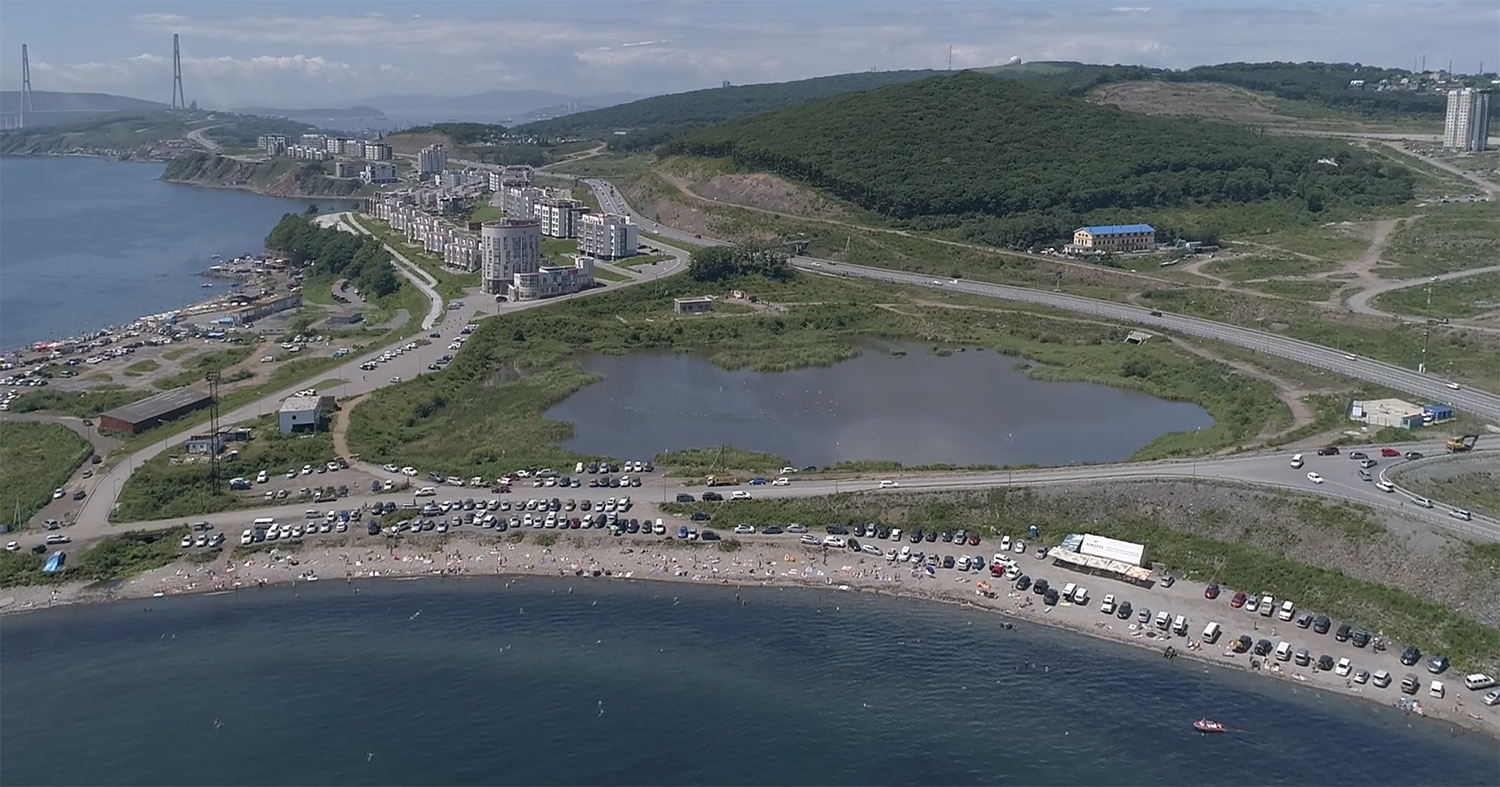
[
  {"x": 179, "y": 98},
  {"x": 213, "y": 431},
  {"x": 26, "y": 105}
]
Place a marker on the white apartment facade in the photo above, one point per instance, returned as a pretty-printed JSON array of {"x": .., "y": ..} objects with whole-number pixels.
[
  {"x": 431, "y": 160},
  {"x": 379, "y": 174},
  {"x": 607, "y": 236},
  {"x": 377, "y": 151},
  {"x": 1466, "y": 125},
  {"x": 459, "y": 249},
  {"x": 559, "y": 216},
  {"x": 550, "y": 281}
]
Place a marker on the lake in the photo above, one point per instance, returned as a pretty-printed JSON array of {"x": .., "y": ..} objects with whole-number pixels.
[
  {"x": 87, "y": 243},
  {"x": 968, "y": 408},
  {"x": 571, "y": 681}
]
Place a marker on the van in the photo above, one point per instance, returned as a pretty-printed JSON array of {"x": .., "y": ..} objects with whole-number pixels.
[
  {"x": 578, "y": 469},
  {"x": 1436, "y": 690},
  {"x": 1211, "y": 632},
  {"x": 1296, "y": 461},
  {"x": 263, "y": 522},
  {"x": 1284, "y": 651},
  {"x": 1266, "y": 607},
  {"x": 1478, "y": 681},
  {"x": 1162, "y": 620},
  {"x": 1459, "y": 513},
  {"x": 1179, "y": 626},
  {"x": 1068, "y": 589}
]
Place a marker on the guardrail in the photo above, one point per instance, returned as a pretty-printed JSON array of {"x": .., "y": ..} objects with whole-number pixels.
[{"x": 1480, "y": 520}]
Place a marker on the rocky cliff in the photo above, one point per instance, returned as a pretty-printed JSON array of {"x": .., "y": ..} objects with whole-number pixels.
[{"x": 279, "y": 177}]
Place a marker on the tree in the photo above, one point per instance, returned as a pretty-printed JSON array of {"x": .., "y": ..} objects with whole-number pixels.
[{"x": 712, "y": 263}]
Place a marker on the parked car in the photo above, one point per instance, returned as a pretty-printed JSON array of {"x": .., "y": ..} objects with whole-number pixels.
[
  {"x": 1411, "y": 656},
  {"x": 1212, "y": 591}
]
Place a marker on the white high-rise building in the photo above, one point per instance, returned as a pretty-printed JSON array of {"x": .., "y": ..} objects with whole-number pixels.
[
  {"x": 1467, "y": 123},
  {"x": 431, "y": 160},
  {"x": 507, "y": 247},
  {"x": 559, "y": 216},
  {"x": 607, "y": 236}
]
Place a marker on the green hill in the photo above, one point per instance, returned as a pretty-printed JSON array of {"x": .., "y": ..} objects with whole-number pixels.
[
  {"x": 652, "y": 120},
  {"x": 277, "y": 177},
  {"x": 1010, "y": 165}
]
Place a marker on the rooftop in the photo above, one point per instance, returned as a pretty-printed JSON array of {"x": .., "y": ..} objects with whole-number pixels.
[
  {"x": 297, "y": 404},
  {"x": 1119, "y": 229},
  {"x": 156, "y": 406}
]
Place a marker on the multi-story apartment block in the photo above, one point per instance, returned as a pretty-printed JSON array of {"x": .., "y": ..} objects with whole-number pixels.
[
  {"x": 559, "y": 216},
  {"x": 518, "y": 173},
  {"x": 1466, "y": 126},
  {"x": 377, "y": 151},
  {"x": 1114, "y": 238},
  {"x": 550, "y": 281},
  {"x": 379, "y": 173},
  {"x": 345, "y": 169},
  {"x": 508, "y": 247},
  {"x": 607, "y": 236},
  {"x": 272, "y": 144},
  {"x": 431, "y": 160},
  {"x": 520, "y": 201}
]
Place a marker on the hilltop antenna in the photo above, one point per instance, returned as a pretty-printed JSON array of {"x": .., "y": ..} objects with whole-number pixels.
[
  {"x": 950, "y": 57},
  {"x": 213, "y": 431},
  {"x": 179, "y": 98},
  {"x": 1424, "y": 64},
  {"x": 26, "y": 105}
]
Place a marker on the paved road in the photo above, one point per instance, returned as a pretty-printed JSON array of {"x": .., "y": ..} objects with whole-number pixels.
[
  {"x": 1360, "y": 301},
  {"x": 1265, "y": 470},
  {"x": 93, "y": 518},
  {"x": 413, "y": 273},
  {"x": 1424, "y": 386},
  {"x": 197, "y": 135}
]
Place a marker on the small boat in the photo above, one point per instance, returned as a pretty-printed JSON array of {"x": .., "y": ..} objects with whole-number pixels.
[{"x": 1204, "y": 725}]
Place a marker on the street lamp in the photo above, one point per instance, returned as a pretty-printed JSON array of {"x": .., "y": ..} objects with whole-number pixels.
[
  {"x": 1010, "y": 459},
  {"x": 835, "y": 467}
]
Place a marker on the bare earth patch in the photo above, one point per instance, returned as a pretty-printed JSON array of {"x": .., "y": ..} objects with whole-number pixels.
[
  {"x": 1216, "y": 102},
  {"x": 767, "y": 192}
]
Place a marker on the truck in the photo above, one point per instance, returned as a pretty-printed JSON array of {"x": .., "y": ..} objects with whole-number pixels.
[
  {"x": 1458, "y": 445},
  {"x": 722, "y": 480}
]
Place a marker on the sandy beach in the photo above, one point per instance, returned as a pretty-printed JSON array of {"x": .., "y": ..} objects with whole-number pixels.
[{"x": 759, "y": 561}]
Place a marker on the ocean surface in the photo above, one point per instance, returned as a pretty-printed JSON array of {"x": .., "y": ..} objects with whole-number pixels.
[
  {"x": 578, "y": 681},
  {"x": 87, "y": 243}
]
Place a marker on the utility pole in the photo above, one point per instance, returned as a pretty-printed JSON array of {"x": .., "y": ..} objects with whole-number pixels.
[
  {"x": 213, "y": 431},
  {"x": 1426, "y": 330},
  {"x": 179, "y": 98}
]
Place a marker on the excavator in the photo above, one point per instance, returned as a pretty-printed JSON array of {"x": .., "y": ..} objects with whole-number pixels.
[{"x": 1458, "y": 445}]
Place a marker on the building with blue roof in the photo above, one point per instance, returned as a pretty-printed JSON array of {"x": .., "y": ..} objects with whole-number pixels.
[{"x": 1114, "y": 238}]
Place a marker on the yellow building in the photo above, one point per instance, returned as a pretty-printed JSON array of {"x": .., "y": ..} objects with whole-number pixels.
[{"x": 1115, "y": 238}]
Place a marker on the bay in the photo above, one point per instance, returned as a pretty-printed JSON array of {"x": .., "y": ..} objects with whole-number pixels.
[{"x": 576, "y": 681}]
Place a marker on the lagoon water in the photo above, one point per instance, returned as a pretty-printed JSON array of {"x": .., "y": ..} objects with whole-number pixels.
[
  {"x": 577, "y": 681},
  {"x": 87, "y": 243},
  {"x": 969, "y": 408}
]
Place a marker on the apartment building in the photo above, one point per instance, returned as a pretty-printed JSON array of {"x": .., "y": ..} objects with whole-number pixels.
[
  {"x": 334, "y": 145},
  {"x": 1114, "y": 238},
  {"x": 1466, "y": 126},
  {"x": 272, "y": 144},
  {"x": 550, "y": 281},
  {"x": 520, "y": 201},
  {"x": 377, "y": 151},
  {"x": 607, "y": 236},
  {"x": 559, "y": 216},
  {"x": 431, "y": 160},
  {"x": 508, "y": 247},
  {"x": 459, "y": 249}
]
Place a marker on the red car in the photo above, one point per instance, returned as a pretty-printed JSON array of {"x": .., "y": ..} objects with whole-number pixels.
[
  {"x": 1212, "y": 591},
  {"x": 1238, "y": 600},
  {"x": 1389, "y": 452}
]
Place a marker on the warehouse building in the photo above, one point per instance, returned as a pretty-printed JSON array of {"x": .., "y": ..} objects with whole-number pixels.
[
  {"x": 305, "y": 413},
  {"x": 154, "y": 410},
  {"x": 1387, "y": 412}
]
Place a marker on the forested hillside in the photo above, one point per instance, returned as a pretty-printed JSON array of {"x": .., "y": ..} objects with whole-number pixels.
[
  {"x": 654, "y": 120},
  {"x": 359, "y": 259},
  {"x": 1012, "y": 165}
]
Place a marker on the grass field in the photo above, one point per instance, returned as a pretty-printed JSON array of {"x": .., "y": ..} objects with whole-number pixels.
[
  {"x": 80, "y": 404},
  {"x": 1456, "y": 298},
  {"x": 1402, "y": 615},
  {"x": 1447, "y": 238},
  {"x": 114, "y": 558},
  {"x": 194, "y": 367},
  {"x": 606, "y": 274},
  {"x": 1313, "y": 290},
  {"x": 641, "y": 259},
  {"x": 486, "y": 212},
  {"x": 1264, "y": 266},
  {"x": 449, "y": 284},
  {"x": 483, "y": 415},
  {"x": 144, "y": 366},
  {"x": 35, "y": 459},
  {"x": 1477, "y": 490}
]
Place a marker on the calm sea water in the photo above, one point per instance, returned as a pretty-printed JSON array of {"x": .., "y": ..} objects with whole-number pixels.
[
  {"x": 874, "y": 407},
  {"x": 583, "y": 682},
  {"x": 87, "y": 243}
]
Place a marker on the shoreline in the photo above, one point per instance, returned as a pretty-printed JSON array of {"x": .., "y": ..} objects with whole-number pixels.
[
  {"x": 259, "y": 193},
  {"x": 755, "y": 563}
]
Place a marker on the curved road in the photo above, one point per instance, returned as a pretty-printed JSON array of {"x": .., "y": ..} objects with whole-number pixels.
[
  {"x": 1360, "y": 301},
  {"x": 1481, "y": 403}
]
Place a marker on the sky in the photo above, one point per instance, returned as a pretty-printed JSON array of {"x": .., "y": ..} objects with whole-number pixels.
[{"x": 336, "y": 52}]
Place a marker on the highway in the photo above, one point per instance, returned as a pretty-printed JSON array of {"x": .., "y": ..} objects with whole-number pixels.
[{"x": 1426, "y": 387}]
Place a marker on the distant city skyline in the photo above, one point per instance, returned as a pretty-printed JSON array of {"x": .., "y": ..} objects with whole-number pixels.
[{"x": 335, "y": 54}]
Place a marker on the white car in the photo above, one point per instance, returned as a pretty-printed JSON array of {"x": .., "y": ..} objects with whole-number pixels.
[
  {"x": 788, "y": 470},
  {"x": 390, "y": 468},
  {"x": 57, "y": 493},
  {"x": 1287, "y": 611},
  {"x": 247, "y": 537},
  {"x": 836, "y": 542},
  {"x": 739, "y": 494},
  {"x": 1081, "y": 596},
  {"x": 1005, "y": 543},
  {"x": 409, "y": 471},
  {"x": 13, "y": 546},
  {"x": 1107, "y": 606},
  {"x": 888, "y": 484},
  {"x": 782, "y": 481},
  {"x": 395, "y": 380},
  {"x": 1315, "y": 478},
  {"x": 186, "y": 542},
  {"x": 744, "y": 530},
  {"x": 1019, "y": 547},
  {"x": 1341, "y": 669}
]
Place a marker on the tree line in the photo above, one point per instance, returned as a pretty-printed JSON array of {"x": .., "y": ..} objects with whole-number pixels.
[
  {"x": 1015, "y": 166},
  {"x": 358, "y": 259}
]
